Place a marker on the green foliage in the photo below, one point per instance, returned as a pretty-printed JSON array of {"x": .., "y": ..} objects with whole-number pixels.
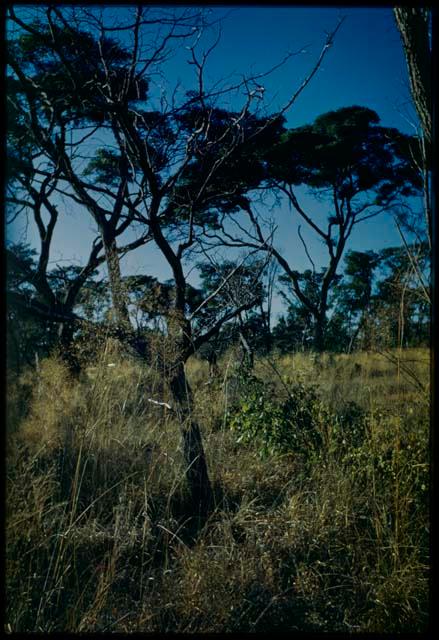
[
  {"x": 66, "y": 73},
  {"x": 105, "y": 167},
  {"x": 241, "y": 171},
  {"x": 30, "y": 333},
  {"x": 365, "y": 304},
  {"x": 399, "y": 458},
  {"x": 355, "y": 293},
  {"x": 293, "y": 426},
  {"x": 295, "y": 331},
  {"x": 360, "y": 169},
  {"x": 348, "y": 151},
  {"x": 401, "y": 309}
]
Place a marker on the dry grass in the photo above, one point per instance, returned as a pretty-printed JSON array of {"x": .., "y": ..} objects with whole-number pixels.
[
  {"x": 97, "y": 533},
  {"x": 387, "y": 378}
]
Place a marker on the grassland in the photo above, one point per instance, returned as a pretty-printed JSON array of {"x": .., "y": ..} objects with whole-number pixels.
[{"x": 97, "y": 532}]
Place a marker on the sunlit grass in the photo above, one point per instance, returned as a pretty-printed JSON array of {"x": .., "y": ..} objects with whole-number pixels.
[{"x": 98, "y": 537}]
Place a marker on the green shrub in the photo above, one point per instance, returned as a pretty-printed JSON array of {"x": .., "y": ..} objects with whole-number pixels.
[
  {"x": 348, "y": 430},
  {"x": 295, "y": 425}
]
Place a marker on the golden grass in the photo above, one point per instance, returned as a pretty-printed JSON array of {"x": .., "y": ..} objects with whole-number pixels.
[{"x": 98, "y": 537}]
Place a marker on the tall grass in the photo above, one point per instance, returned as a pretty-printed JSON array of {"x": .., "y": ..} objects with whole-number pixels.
[{"x": 98, "y": 537}]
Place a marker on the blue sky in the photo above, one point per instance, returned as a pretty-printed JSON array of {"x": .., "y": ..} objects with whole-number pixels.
[{"x": 365, "y": 66}]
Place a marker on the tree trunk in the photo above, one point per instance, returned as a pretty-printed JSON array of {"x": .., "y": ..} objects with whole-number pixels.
[
  {"x": 118, "y": 296},
  {"x": 193, "y": 451},
  {"x": 13, "y": 357},
  {"x": 248, "y": 358},
  {"x": 413, "y": 25},
  {"x": 319, "y": 333},
  {"x": 65, "y": 340}
]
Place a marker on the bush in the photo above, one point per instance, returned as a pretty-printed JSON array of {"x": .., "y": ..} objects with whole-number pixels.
[
  {"x": 295, "y": 425},
  {"x": 348, "y": 430}
]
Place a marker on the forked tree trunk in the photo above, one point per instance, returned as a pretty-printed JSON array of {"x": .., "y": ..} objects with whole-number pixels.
[{"x": 193, "y": 451}]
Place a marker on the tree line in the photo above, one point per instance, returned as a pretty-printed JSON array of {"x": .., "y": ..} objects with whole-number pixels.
[{"x": 364, "y": 306}]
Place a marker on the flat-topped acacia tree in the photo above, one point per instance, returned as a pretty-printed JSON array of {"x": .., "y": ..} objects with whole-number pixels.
[
  {"x": 362, "y": 169},
  {"x": 351, "y": 165}
]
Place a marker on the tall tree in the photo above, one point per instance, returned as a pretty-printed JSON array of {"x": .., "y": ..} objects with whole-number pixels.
[
  {"x": 31, "y": 190},
  {"x": 171, "y": 154},
  {"x": 50, "y": 111},
  {"x": 349, "y": 163},
  {"x": 362, "y": 167}
]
